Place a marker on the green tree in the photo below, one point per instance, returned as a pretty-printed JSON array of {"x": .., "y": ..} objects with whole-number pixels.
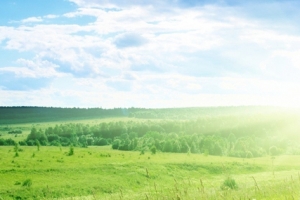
[
  {"x": 33, "y": 135},
  {"x": 168, "y": 146},
  {"x": 116, "y": 143},
  {"x": 83, "y": 141},
  {"x": 153, "y": 149},
  {"x": 273, "y": 150}
]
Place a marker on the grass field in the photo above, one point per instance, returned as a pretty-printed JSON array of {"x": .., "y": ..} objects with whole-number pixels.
[{"x": 102, "y": 173}]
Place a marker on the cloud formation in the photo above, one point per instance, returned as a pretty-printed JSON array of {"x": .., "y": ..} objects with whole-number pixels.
[{"x": 153, "y": 53}]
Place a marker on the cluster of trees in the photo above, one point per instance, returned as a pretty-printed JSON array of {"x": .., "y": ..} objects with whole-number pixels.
[
  {"x": 222, "y": 145},
  {"x": 226, "y": 135},
  {"x": 17, "y": 131},
  {"x": 228, "y": 131},
  {"x": 7, "y": 142}
]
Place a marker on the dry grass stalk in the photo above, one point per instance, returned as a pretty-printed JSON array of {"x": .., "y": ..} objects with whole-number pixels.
[
  {"x": 121, "y": 194},
  {"x": 256, "y": 186},
  {"x": 202, "y": 186}
]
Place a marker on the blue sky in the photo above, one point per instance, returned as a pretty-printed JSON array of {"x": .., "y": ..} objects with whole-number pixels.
[{"x": 173, "y": 53}]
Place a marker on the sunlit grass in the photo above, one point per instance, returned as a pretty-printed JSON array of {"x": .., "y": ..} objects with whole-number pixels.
[{"x": 101, "y": 173}]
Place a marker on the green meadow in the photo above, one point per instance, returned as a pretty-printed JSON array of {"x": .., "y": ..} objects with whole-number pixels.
[
  {"x": 102, "y": 173},
  {"x": 236, "y": 153}
]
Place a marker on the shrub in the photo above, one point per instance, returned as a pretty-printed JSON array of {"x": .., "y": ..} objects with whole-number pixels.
[
  {"x": 89, "y": 141},
  {"x": 229, "y": 183},
  {"x": 22, "y": 143},
  {"x": 16, "y": 149},
  {"x": 273, "y": 151},
  {"x": 10, "y": 141},
  {"x": 100, "y": 142},
  {"x": 2, "y": 142},
  {"x": 54, "y": 143},
  {"x": 153, "y": 149},
  {"x": 71, "y": 151},
  {"x": 30, "y": 142},
  {"x": 116, "y": 144},
  {"x": 27, "y": 183},
  {"x": 17, "y": 183}
]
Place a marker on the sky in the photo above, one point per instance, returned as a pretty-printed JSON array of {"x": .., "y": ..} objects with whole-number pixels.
[{"x": 150, "y": 53}]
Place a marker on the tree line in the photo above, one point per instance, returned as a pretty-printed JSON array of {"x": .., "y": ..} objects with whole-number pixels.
[
  {"x": 248, "y": 135},
  {"x": 28, "y": 114},
  {"x": 24, "y": 114}
]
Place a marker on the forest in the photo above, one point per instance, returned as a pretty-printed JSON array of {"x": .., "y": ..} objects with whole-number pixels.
[{"x": 229, "y": 131}]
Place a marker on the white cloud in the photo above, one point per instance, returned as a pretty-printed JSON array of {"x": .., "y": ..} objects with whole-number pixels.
[
  {"x": 144, "y": 56},
  {"x": 51, "y": 16},
  {"x": 32, "y": 20},
  {"x": 32, "y": 69}
]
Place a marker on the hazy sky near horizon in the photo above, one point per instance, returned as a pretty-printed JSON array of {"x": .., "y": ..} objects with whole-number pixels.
[{"x": 172, "y": 53}]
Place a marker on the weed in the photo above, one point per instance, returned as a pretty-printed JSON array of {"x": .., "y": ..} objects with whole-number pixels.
[
  {"x": 17, "y": 183},
  {"x": 27, "y": 183},
  {"x": 71, "y": 150},
  {"x": 256, "y": 186},
  {"x": 229, "y": 183},
  {"x": 38, "y": 144},
  {"x": 16, "y": 149}
]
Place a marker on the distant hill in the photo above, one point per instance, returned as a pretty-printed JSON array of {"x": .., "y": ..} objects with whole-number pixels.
[{"x": 24, "y": 114}]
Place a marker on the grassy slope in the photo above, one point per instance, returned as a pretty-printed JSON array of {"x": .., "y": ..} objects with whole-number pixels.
[
  {"x": 92, "y": 174},
  {"x": 101, "y": 173}
]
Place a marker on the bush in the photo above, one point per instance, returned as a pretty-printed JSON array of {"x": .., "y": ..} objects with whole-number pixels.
[
  {"x": 9, "y": 142},
  {"x": 65, "y": 141},
  {"x": 16, "y": 149},
  {"x": 71, "y": 151},
  {"x": 2, "y": 142},
  {"x": 27, "y": 183},
  {"x": 274, "y": 151},
  {"x": 153, "y": 149},
  {"x": 100, "y": 142},
  {"x": 52, "y": 137},
  {"x": 30, "y": 142},
  {"x": 116, "y": 144},
  {"x": 15, "y": 132},
  {"x": 54, "y": 143},
  {"x": 22, "y": 143},
  {"x": 17, "y": 183},
  {"x": 89, "y": 141},
  {"x": 229, "y": 183}
]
